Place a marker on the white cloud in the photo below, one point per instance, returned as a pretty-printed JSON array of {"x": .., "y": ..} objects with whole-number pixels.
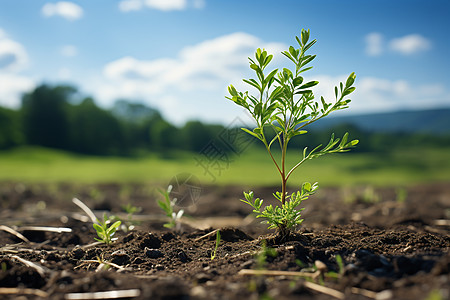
[
  {"x": 406, "y": 45},
  {"x": 13, "y": 56},
  {"x": 163, "y": 5},
  {"x": 12, "y": 88},
  {"x": 204, "y": 66},
  {"x": 69, "y": 51},
  {"x": 374, "y": 44},
  {"x": 197, "y": 77},
  {"x": 130, "y": 5},
  {"x": 65, "y": 9},
  {"x": 410, "y": 44},
  {"x": 166, "y": 5}
]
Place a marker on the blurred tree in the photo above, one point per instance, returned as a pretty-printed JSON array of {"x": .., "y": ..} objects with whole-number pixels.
[
  {"x": 45, "y": 116},
  {"x": 164, "y": 135},
  {"x": 136, "y": 119},
  {"x": 10, "y": 131},
  {"x": 196, "y": 135},
  {"x": 95, "y": 131}
]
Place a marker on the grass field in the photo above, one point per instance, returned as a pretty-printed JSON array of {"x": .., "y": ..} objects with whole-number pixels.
[{"x": 252, "y": 167}]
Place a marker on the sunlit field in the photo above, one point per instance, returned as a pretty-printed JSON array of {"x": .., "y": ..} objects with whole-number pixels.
[{"x": 252, "y": 167}]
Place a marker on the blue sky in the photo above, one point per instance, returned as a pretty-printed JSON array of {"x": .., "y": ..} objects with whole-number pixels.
[{"x": 179, "y": 56}]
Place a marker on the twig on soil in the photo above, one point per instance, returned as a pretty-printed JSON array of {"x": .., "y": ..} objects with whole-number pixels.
[
  {"x": 41, "y": 270},
  {"x": 383, "y": 295},
  {"x": 13, "y": 232},
  {"x": 86, "y": 209},
  {"x": 102, "y": 264},
  {"x": 324, "y": 290},
  {"x": 278, "y": 273},
  {"x": 18, "y": 291},
  {"x": 46, "y": 228},
  {"x": 441, "y": 222},
  {"x": 104, "y": 295},
  {"x": 90, "y": 245},
  {"x": 206, "y": 235}
]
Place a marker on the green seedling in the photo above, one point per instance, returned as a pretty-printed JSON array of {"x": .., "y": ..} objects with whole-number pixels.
[
  {"x": 168, "y": 206},
  {"x": 104, "y": 231},
  {"x": 129, "y": 224},
  {"x": 282, "y": 107},
  {"x": 213, "y": 254},
  {"x": 261, "y": 257}
]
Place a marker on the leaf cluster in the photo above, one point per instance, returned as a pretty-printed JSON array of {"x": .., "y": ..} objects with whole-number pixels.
[
  {"x": 285, "y": 102},
  {"x": 104, "y": 231},
  {"x": 287, "y": 215}
]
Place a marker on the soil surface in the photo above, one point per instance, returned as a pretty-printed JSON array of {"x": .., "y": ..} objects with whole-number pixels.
[{"x": 355, "y": 243}]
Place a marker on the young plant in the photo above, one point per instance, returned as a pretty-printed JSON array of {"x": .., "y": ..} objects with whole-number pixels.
[
  {"x": 129, "y": 224},
  {"x": 213, "y": 254},
  {"x": 285, "y": 104},
  {"x": 105, "y": 232},
  {"x": 168, "y": 206}
]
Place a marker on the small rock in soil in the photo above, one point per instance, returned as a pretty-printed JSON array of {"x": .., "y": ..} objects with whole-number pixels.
[
  {"x": 77, "y": 253},
  {"x": 202, "y": 277},
  {"x": 120, "y": 257},
  {"x": 151, "y": 241},
  {"x": 182, "y": 256},
  {"x": 153, "y": 253}
]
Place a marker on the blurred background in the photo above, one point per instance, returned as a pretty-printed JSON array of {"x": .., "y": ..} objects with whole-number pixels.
[{"x": 134, "y": 90}]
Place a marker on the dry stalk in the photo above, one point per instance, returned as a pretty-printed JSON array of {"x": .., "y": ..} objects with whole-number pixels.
[
  {"x": 86, "y": 209},
  {"x": 46, "y": 228},
  {"x": 40, "y": 269},
  {"x": 324, "y": 290},
  {"x": 14, "y": 232},
  {"x": 206, "y": 235},
  {"x": 104, "y": 295},
  {"x": 18, "y": 291},
  {"x": 279, "y": 273}
]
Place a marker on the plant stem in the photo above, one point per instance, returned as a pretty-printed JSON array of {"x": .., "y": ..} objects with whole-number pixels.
[{"x": 283, "y": 165}]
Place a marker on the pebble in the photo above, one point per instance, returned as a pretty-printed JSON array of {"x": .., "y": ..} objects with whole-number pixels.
[
  {"x": 198, "y": 291},
  {"x": 153, "y": 253},
  {"x": 202, "y": 277},
  {"x": 182, "y": 256}
]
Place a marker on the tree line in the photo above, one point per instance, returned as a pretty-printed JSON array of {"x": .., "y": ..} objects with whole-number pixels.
[{"x": 58, "y": 117}]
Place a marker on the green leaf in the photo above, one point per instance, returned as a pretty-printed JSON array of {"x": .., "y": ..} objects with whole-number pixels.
[
  {"x": 292, "y": 51},
  {"x": 305, "y": 69},
  {"x": 350, "y": 80},
  {"x": 297, "y": 81},
  {"x": 305, "y": 36},
  {"x": 251, "y": 133},
  {"x": 232, "y": 90},
  {"x": 309, "y": 84},
  {"x": 308, "y": 59},
  {"x": 254, "y": 67},
  {"x": 253, "y": 82},
  {"x": 309, "y": 45},
  {"x": 348, "y": 91},
  {"x": 97, "y": 227}
]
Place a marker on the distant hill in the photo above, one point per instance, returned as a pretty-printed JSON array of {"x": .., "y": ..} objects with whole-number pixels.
[{"x": 435, "y": 121}]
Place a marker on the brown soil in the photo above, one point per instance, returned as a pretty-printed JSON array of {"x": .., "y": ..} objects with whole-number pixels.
[{"x": 394, "y": 245}]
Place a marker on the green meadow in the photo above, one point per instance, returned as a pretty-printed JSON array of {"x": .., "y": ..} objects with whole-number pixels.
[{"x": 252, "y": 167}]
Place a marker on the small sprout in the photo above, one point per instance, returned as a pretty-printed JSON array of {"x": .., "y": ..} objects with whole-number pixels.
[
  {"x": 168, "y": 206},
  {"x": 213, "y": 254},
  {"x": 129, "y": 224},
  {"x": 261, "y": 257},
  {"x": 105, "y": 232}
]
